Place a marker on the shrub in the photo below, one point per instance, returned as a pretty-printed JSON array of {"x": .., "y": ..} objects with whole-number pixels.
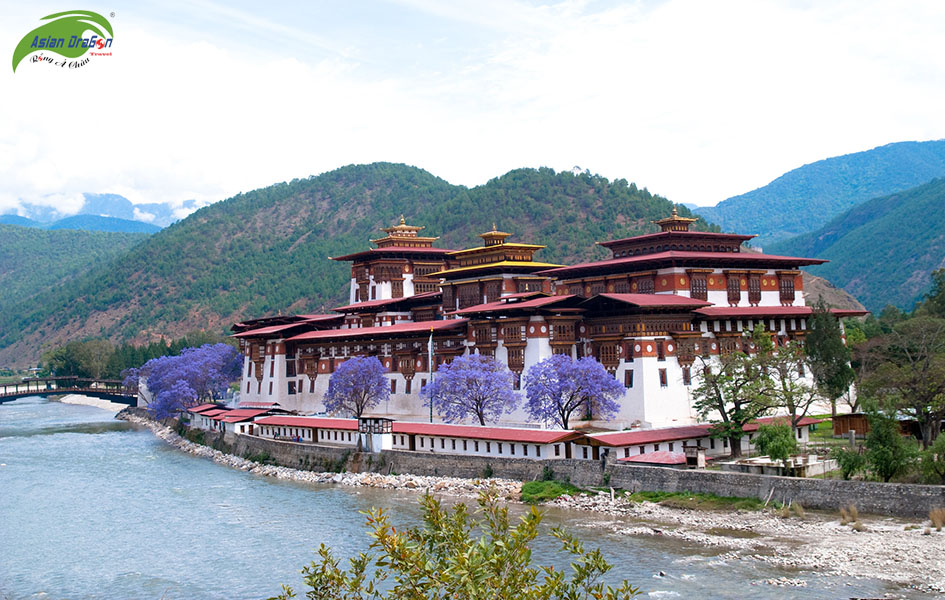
[
  {"x": 937, "y": 516},
  {"x": 487, "y": 472},
  {"x": 444, "y": 558},
  {"x": 547, "y": 473},
  {"x": 534, "y": 492}
]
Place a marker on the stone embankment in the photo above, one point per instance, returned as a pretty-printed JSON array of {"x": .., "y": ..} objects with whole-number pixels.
[{"x": 451, "y": 486}]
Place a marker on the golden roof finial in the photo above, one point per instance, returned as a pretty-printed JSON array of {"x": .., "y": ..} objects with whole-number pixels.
[
  {"x": 494, "y": 227},
  {"x": 675, "y": 212},
  {"x": 403, "y": 222}
]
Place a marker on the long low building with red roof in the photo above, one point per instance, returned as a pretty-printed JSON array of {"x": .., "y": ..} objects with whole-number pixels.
[{"x": 651, "y": 313}]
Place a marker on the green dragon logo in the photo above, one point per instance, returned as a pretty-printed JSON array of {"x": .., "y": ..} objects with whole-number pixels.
[{"x": 64, "y": 35}]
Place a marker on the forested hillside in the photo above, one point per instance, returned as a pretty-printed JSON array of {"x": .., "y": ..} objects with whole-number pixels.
[
  {"x": 807, "y": 198},
  {"x": 266, "y": 251},
  {"x": 34, "y": 260},
  {"x": 881, "y": 251}
]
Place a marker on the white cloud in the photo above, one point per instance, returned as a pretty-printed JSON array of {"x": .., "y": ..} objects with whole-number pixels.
[
  {"x": 141, "y": 215},
  {"x": 694, "y": 100}
]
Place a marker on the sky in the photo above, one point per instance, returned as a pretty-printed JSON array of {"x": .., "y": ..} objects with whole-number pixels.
[{"x": 694, "y": 100}]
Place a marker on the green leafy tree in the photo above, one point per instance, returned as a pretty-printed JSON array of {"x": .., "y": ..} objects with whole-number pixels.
[
  {"x": 445, "y": 559},
  {"x": 791, "y": 389},
  {"x": 933, "y": 462},
  {"x": 736, "y": 389},
  {"x": 904, "y": 370},
  {"x": 828, "y": 356},
  {"x": 934, "y": 304},
  {"x": 888, "y": 453},
  {"x": 777, "y": 441},
  {"x": 850, "y": 460}
]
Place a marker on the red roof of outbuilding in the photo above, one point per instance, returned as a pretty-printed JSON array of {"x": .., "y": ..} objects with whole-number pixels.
[
  {"x": 239, "y": 414},
  {"x": 202, "y": 408},
  {"x": 313, "y": 422},
  {"x": 755, "y": 311},
  {"x": 501, "y": 434},
  {"x": 678, "y": 234},
  {"x": 214, "y": 412},
  {"x": 669, "y": 434},
  {"x": 390, "y": 330}
]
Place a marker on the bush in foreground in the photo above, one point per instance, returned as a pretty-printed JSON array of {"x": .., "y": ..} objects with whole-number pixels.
[{"x": 443, "y": 559}]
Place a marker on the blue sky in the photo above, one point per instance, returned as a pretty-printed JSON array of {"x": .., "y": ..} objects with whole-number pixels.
[{"x": 695, "y": 100}]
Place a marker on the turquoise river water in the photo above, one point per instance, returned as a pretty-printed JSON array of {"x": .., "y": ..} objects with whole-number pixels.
[{"x": 91, "y": 507}]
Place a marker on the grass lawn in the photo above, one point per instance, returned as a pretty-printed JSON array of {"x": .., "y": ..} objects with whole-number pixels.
[{"x": 534, "y": 492}]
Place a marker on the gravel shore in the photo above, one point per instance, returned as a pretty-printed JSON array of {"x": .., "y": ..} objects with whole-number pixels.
[{"x": 897, "y": 551}]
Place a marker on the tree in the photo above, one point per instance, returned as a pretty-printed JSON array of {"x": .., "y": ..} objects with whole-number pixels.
[
  {"x": 905, "y": 371},
  {"x": 850, "y": 460},
  {"x": 933, "y": 462},
  {"x": 777, "y": 441},
  {"x": 888, "y": 453},
  {"x": 195, "y": 375},
  {"x": 357, "y": 385},
  {"x": 446, "y": 559},
  {"x": 736, "y": 389},
  {"x": 934, "y": 303},
  {"x": 559, "y": 386},
  {"x": 791, "y": 389},
  {"x": 828, "y": 356},
  {"x": 473, "y": 386}
]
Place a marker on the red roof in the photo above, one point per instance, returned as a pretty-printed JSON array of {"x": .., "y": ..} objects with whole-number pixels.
[
  {"x": 391, "y": 250},
  {"x": 668, "y": 434},
  {"x": 678, "y": 234},
  {"x": 390, "y": 330},
  {"x": 375, "y": 303},
  {"x": 273, "y": 328},
  {"x": 501, "y": 434},
  {"x": 657, "y": 300},
  {"x": 672, "y": 255},
  {"x": 240, "y": 414},
  {"x": 503, "y": 304},
  {"x": 203, "y": 407},
  {"x": 755, "y": 311},
  {"x": 215, "y": 412},
  {"x": 313, "y": 422}
]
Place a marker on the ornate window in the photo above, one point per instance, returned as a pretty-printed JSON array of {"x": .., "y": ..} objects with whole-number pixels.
[
  {"x": 754, "y": 289},
  {"x": 645, "y": 286},
  {"x": 663, "y": 381},
  {"x": 734, "y": 289},
  {"x": 529, "y": 285},
  {"x": 493, "y": 290},
  {"x": 787, "y": 288},
  {"x": 622, "y": 287},
  {"x": 698, "y": 288},
  {"x": 397, "y": 288},
  {"x": 598, "y": 287}
]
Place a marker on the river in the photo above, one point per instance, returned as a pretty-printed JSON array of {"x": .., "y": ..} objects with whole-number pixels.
[{"x": 91, "y": 507}]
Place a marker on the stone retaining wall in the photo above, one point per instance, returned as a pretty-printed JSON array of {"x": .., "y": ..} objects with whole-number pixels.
[{"x": 905, "y": 500}]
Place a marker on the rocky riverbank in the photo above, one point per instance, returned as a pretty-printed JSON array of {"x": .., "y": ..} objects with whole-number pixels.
[
  {"x": 451, "y": 486},
  {"x": 890, "y": 549},
  {"x": 897, "y": 551}
]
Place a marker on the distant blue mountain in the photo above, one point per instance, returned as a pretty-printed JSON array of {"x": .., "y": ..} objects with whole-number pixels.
[
  {"x": 97, "y": 223},
  {"x": 84, "y": 223},
  {"x": 806, "y": 198},
  {"x": 103, "y": 205},
  {"x": 18, "y": 220}
]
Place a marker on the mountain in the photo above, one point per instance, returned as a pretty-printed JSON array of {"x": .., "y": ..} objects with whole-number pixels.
[
  {"x": 18, "y": 220},
  {"x": 32, "y": 261},
  {"x": 806, "y": 198},
  {"x": 883, "y": 250},
  {"x": 104, "y": 205},
  {"x": 97, "y": 223},
  {"x": 266, "y": 251}
]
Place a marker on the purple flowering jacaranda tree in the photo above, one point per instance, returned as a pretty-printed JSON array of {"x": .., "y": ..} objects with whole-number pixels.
[
  {"x": 559, "y": 386},
  {"x": 471, "y": 387},
  {"x": 195, "y": 375},
  {"x": 356, "y": 385}
]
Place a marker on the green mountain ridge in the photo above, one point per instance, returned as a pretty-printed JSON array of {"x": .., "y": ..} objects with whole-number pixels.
[
  {"x": 84, "y": 222},
  {"x": 266, "y": 251},
  {"x": 35, "y": 260},
  {"x": 883, "y": 250},
  {"x": 806, "y": 198}
]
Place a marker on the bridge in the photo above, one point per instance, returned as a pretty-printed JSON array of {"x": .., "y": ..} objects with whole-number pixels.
[{"x": 107, "y": 389}]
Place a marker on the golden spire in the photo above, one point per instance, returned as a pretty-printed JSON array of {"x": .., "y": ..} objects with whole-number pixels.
[{"x": 675, "y": 222}]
